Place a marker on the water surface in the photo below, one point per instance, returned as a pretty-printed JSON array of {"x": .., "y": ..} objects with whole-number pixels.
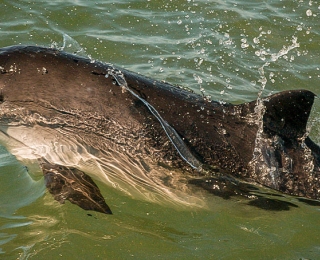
[{"x": 233, "y": 51}]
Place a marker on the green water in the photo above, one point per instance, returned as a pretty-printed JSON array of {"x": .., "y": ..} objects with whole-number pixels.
[{"x": 230, "y": 50}]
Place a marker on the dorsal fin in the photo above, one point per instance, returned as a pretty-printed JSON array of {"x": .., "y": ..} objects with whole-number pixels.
[{"x": 286, "y": 113}]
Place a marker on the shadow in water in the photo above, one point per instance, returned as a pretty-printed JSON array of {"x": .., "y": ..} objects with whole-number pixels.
[
  {"x": 309, "y": 201},
  {"x": 227, "y": 187}
]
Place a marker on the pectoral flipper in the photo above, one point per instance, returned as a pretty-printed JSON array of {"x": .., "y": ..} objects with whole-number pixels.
[{"x": 67, "y": 183}]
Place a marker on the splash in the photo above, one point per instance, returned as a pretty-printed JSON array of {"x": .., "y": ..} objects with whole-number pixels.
[
  {"x": 264, "y": 156},
  {"x": 72, "y": 46},
  {"x": 273, "y": 57}
]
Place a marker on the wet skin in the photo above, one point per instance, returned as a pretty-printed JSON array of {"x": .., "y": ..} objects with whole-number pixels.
[{"x": 263, "y": 141}]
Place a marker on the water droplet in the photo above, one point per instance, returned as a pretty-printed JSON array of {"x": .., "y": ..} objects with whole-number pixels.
[
  {"x": 256, "y": 40},
  {"x": 244, "y": 45},
  {"x": 197, "y": 78},
  {"x": 309, "y": 12}
]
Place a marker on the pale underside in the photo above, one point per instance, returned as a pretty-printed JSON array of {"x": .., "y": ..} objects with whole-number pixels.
[{"x": 137, "y": 176}]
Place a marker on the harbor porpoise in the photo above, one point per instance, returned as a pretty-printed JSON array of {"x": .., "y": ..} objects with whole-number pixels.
[{"x": 110, "y": 111}]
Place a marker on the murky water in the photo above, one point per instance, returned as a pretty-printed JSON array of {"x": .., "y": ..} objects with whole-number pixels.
[{"x": 230, "y": 50}]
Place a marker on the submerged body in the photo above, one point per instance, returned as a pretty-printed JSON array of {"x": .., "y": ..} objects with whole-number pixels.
[{"x": 120, "y": 118}]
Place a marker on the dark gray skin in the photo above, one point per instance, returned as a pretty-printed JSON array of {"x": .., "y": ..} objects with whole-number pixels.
[
  {"x": 66, "y": 183},
  {"x": 268, "y": 146}
]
